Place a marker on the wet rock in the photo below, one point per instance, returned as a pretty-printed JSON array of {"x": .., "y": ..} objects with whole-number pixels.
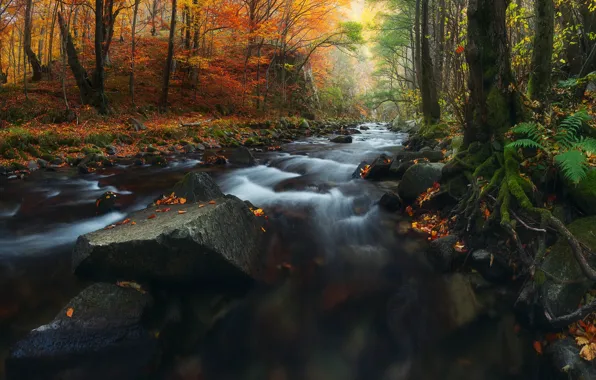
[
  {"x": 197, "y": 187},
  {"x": 106, "y": 203},
  {"x": 379, "y": 169},
  {"x": 189, "y": 148},
  {"x": 3, "y": 170},
  {"x": 399, "y": 169},
  {"x": 441, "y": 253},
  {"x": 139, "y": 162},
  {"x": 157, "y": 160},
  {"x": 136, "y": 124},
  {"x": 111, "y": 150},
  {"x": 560, "y": 298},
  {"x": 390, "y": 202},
  {"x": 32, "y": 166},
  {"x": 364, "y": 128},
  {"x": 102, "y": 339},
  {"x": 353, "y": 131},
  {"x": 429, "y": 155},
  {"x": 342, "y": 139},
  {"x": 242, "y": 156},
  {"x": 83, "y": 169},
  {"x": 358, "y": 171},
  {"x": 404, "y": 126},
  {"x": 564, "y": 356},
  {"x": 419, "y": 178},
  {"x": 212, "y": 158},
  {"x": 200, "y": 147},
  {"x": 304, "y": 124},
  {"x": 492, "y": 267},
  {"x": 57, "y": 161},
  {"x": 173, "y": 149},
  {"x": 218, "y": 242},
  {"x": 41, "y": 162},
  {"x": 303, "y": 183},
  {"x": 464, "y": 306}
]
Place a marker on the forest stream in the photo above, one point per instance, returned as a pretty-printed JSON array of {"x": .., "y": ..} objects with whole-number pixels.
[{"x": 357, "y": 300}]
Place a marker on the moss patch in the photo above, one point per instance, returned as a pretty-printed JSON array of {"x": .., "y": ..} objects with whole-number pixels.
[{"x": 584, "y": 194}]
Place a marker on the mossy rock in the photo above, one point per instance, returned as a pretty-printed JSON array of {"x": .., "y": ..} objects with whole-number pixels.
[
  {"x": 584, "y": 193},
  {"x": 10, "y": 154},
  {"x": 434, "y": 131},
  {"x": 563, "y": 298},
  {"x": 17, "y": 166}
]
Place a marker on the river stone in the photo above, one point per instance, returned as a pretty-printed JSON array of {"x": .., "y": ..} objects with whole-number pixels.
[
  {"x": 217, "y": 242},
  {"x": 405, "y": 126},
  {"x": 390, "y": 202},
  {"x": 342, "y": 139},
  {"x": 564, "y": 356},
  {"x": 419, "y": 178},
  {"x": 559, "y": 299},
  {"x": 430, "y": 155},
  {"x": 103, "y": 339},
  {"x": 242, "y": 156},
  {"x": 197, "y": 187},
  {"x": 492, "y": 267},
  {"x": 464, "y": 307},
  {"x": 379, "y": 169},
  {"x": 441, "y": 253}
]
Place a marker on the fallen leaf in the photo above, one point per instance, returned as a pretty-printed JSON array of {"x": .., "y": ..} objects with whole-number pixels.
[
  {"x": 133, "y": 223},
  {"x": 211, "y": 202},
  {"x": 201, "y": 205},
  {"x": 131, "y": 285},
  {"x": 69, "y": 312},
  {"x": 538, "y": 347},
  {"x": 152, "y": 216},
  {"x": 588, "y": 352},
  {"x": 263, "y": 229},
  {"x": 181, "y": 212},
  {"x": 182, "y": 200},
  {"x": 582, "y": 340}
]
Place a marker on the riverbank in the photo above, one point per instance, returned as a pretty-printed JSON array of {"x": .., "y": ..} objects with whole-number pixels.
[{"x": 106, "y": 142}]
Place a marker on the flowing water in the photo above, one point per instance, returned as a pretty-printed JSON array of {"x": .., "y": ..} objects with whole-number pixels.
[{"x": 330, "y": 235}]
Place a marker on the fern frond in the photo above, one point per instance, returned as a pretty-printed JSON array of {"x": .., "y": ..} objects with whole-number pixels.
[
  {"x": 532, "y": 130},
  {"x": 573, "y": 165},
  {"x": 587, "y": 145},
  {"x": 525, "y": 143}
]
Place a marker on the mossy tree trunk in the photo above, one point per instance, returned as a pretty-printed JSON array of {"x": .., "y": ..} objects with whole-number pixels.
[
  {"x": 430, "y": 103},
  {"x": 540, "y": 77},
  {"x": 493, "y": 105}
]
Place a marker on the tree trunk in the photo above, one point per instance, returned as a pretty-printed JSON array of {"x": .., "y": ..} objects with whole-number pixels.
[
  {"x": 493, "y": 106},
  {"x": 166, "y": 75},
  {"x": 417, "y": 54},
  {"x": 89, "y": 94},
  {"x": 430, "y": 103},
  {"x": 573, "y": 53},
  {"x": 133, "y": 46},
  {"x": 540, "y": 77},
  {"x": 35, "y": 65},
  {"x": 440, "y": 50},
  {"x": 98, "y": 74}
]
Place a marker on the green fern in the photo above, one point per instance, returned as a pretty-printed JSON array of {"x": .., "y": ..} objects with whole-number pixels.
[
  {"x": 573, "y": 165},
  {"x": 533, "y": 131},
  {"x": 569, "y": 130},
  {"x": 525, "y": 143},
  {"x": 587, "y": 145}
]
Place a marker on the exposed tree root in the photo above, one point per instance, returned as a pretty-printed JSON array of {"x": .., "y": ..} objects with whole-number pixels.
[{"x": 511, "y": 206}]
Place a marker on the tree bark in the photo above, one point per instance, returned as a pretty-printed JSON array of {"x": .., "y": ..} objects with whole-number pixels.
[
  {"x": 540, "y": 77},
  {"x": 417, "y": 53},
  {"x": 89, "y": 94},
  {"x": 430, "y": 103},
  {"x": 494, "y": 105},
  {"x": 98, "y": 75},
  {"x": 166, "y": 75},
  {"x": 35, "y": 64},
  {"x": 133, "y": 46}
]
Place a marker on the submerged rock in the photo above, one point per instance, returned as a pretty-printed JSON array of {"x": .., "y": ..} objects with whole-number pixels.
[
  {"x": 390, "y": 202},
  {"x": 106, "y": 203},
  {"x": 98, "y": 335},
  {"x": 198, "y": 186},
  {"x": 342, "y": 139},
  {"x": 419, "y": 178},
  {"x": 491, "y": 266},
  {"x": 217, "y": 242},
  {"x": 441, "y": 253}
]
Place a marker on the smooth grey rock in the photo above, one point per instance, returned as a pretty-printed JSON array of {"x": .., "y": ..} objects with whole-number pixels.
[
  {"x": 342, "y": 139},
  {"x": 419, "y": 178},
  {"x": 564, "y": 356},
  {"x": 217, "y": 242},
  {"x": 103, "y": 339},
  {"x": 242, "y": 156}
]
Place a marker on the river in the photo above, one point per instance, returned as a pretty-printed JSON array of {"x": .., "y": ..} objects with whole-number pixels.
[{"x": 303, "y": 328}]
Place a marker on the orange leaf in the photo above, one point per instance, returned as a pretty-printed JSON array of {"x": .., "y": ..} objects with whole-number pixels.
[
  {"x": 152, "y": 216},
  {"x": 182, "y": 201},
  {"x": 181, "y": 211},
  {"x": 538, "y": 347},
  {"x": 69, "y": 312},
  {"x": 126, "y": 221},
  {"x": 263, "y": 229},
  {"x": 211, "y": 202},
  {"x": 201, "y": 205},
  {"x": 133, "y": 223}
]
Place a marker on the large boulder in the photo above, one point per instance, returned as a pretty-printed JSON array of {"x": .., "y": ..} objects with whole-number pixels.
[
  {"x": 379, "y": 169},
  {"x": 584, "y": 193},
  {"x": 405, "y": 126},
  {"x": 217, "y": 242},
  {"x": 426, "y": 155},
  {"x": 197, "y": 187},
  {"x": 97, "y": 335},
  {"x": 242, "y": 156},
  {"x": 419, "y": 178},
  {"x": 342, "y": 139},
  {"x": 562, "y": 297}
]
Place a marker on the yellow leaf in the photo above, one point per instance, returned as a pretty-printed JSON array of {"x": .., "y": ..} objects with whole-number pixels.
[
  {"x": 581, "y": 340},
  {"x": 588, "y": 352}
]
